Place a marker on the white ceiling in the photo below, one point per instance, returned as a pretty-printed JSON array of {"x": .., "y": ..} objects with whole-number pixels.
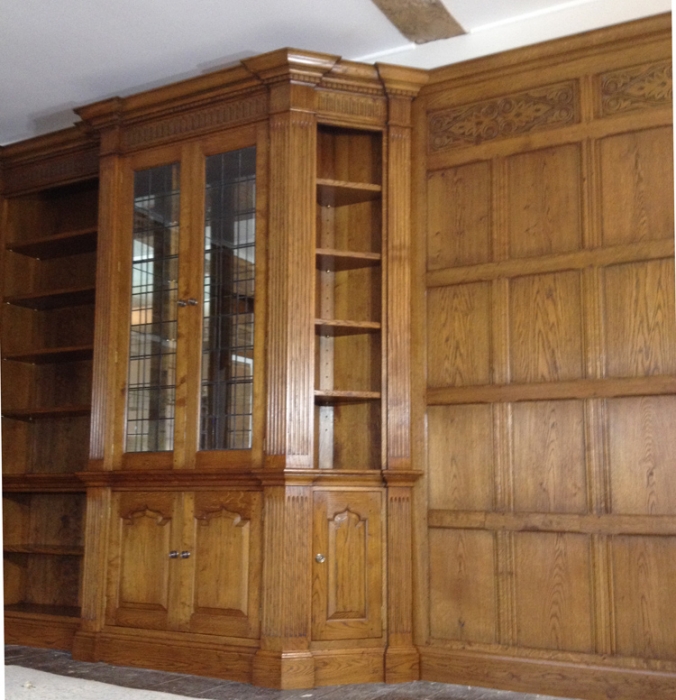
[{"x": 60, "y": 54}]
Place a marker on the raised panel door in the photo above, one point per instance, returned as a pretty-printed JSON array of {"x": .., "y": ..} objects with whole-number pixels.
[
  {"x": 142, "y": 568},
  {"x": 347, "y": 567},
  {"x": 222, "y": 575}
]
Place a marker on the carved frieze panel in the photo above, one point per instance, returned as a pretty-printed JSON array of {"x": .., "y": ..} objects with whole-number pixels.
[
  {"x": 55, "y": 171},
  {"x": 203, "y": 120},
  {"x": 639, "y": 87},
  {"x": 350, "y": 106},
  {"x": 547, "y": 107}
]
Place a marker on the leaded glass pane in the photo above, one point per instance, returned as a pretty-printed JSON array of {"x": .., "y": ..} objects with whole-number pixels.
[
  {"x": 229, "y": 264},
  {"x": 151, "y": 385}
]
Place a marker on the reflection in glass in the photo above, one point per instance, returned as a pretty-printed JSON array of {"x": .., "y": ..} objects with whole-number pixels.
[
  {"x": 151, "y": 383},
  {"x": 229, "y": 262}
]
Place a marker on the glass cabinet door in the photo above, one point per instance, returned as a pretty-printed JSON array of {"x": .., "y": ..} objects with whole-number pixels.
[{"x": 216, "y": 325}]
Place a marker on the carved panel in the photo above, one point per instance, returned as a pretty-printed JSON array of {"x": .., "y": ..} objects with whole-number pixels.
[
  {"x": 547, "y": 107},
  {"x": 207, "y": 119},
  {"x": 639, "y": 87}
]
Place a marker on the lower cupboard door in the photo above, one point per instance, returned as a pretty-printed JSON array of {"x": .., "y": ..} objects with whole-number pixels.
[
  {"x": 141, "y": 571},
  {"x": 226, "y": 570},
  {"x": 347, "y": 581}
]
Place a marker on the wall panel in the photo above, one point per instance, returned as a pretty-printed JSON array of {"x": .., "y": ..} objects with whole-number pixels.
[{"x": 546, "y": 199}]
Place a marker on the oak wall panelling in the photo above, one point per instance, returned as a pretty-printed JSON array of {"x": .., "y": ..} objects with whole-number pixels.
[{"x": 545, "y": 321}]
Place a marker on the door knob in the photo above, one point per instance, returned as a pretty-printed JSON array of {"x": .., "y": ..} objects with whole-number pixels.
[
  {"x": 320, "y": 558},
  {"x": 185, "y": 555},
  {"x": 173, "y": 554}
]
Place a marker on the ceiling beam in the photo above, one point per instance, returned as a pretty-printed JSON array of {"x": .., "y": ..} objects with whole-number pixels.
[{"x": 420, "y": 21}]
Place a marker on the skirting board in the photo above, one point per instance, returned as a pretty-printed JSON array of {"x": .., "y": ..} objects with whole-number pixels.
[{"x": 545, "y": 677}]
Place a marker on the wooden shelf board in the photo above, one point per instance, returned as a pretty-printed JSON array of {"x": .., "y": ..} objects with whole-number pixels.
[
  {"x": 30, "y": 414},
  {"x": 42, "y": 483},
  {"x": 337, "y": 396},
  {"x": 34, "y": 610},
  {"x": 54, "y": 550},
  {"x": 55, "y": 299},
  {"x": 337, "y": 193},
  {"x": 337, "y": 327},
  {"x": 338, "y": 260},
  {"x": 59, "y": 245},
  {"x": 53, "y": 355}
]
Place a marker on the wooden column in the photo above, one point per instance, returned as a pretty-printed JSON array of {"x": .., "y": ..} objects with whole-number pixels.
[
  {"x": 284, "y": 659},
  {"x": 101, "y": 442},
  {"x": 401, "y": 658}
]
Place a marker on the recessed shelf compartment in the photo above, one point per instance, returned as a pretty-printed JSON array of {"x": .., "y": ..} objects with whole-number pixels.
[
  {"x": 53, "y": 355},
  {"x": 339, "y": 193},
  {"x": 337, "y": 260},
  {"x": 59, "y": 245},
  {"x": 32, "y": 414},
  {"x": 57, "y": 299},
  {"x": 331, "y": 327}
]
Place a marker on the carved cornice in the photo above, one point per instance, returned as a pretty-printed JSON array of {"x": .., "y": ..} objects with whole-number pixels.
[
  {"x": 401, "y": 80},
  {"x": 638, "y": 87},
  {"x": 291, "y": 65},
  {"x": 41, "y": 483},
  {"x": 537, "y": 109}
]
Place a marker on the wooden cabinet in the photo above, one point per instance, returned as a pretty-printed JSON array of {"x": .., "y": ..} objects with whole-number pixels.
[
  {"x": 247, "y": 365},
  {"x": 48, "y": 240},
  {"x": 185, "y": 561}
]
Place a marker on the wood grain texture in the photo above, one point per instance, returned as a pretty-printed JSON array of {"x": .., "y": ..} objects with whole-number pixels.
[
  {"x": 640, "y": 333},
  {"x": 458, "y": 336},
  {"x": 643, "y": 572},
  {"x": 459, "y": 225},
  {"x": 544, "y": 201},
  {"x": 460, "y": 457},
  {"x": 637, "y": 180},
  {"x": 545, "y": 328},
  {"x": 549, "y": 457},
  {"x": 553, "y": 584},
  {"x": 463, "y": 586},
  {"x": 641, "y": 448}
]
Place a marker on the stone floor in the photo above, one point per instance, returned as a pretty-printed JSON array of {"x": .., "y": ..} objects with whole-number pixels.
[{"x": 61, "y": 663}]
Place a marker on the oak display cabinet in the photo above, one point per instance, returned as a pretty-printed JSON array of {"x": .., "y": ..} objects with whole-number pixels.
[{"x": 246, "y": 457}]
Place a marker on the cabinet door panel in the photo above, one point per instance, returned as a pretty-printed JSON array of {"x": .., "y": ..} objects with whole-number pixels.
[
  {"x": 140, "y": 570},
  {"x": 225, "y": 574},
  {"x": 347, "y": 580}
]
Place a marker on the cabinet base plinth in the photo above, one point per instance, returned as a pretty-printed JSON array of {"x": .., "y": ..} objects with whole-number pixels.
[
  {"x": 402, "y": 665},
  {"x": 48, "y": 634},
  {"x": 200, "y": 658},
  {"x": 284, "y": 670},
  {"x": 84, "y": 646}
]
